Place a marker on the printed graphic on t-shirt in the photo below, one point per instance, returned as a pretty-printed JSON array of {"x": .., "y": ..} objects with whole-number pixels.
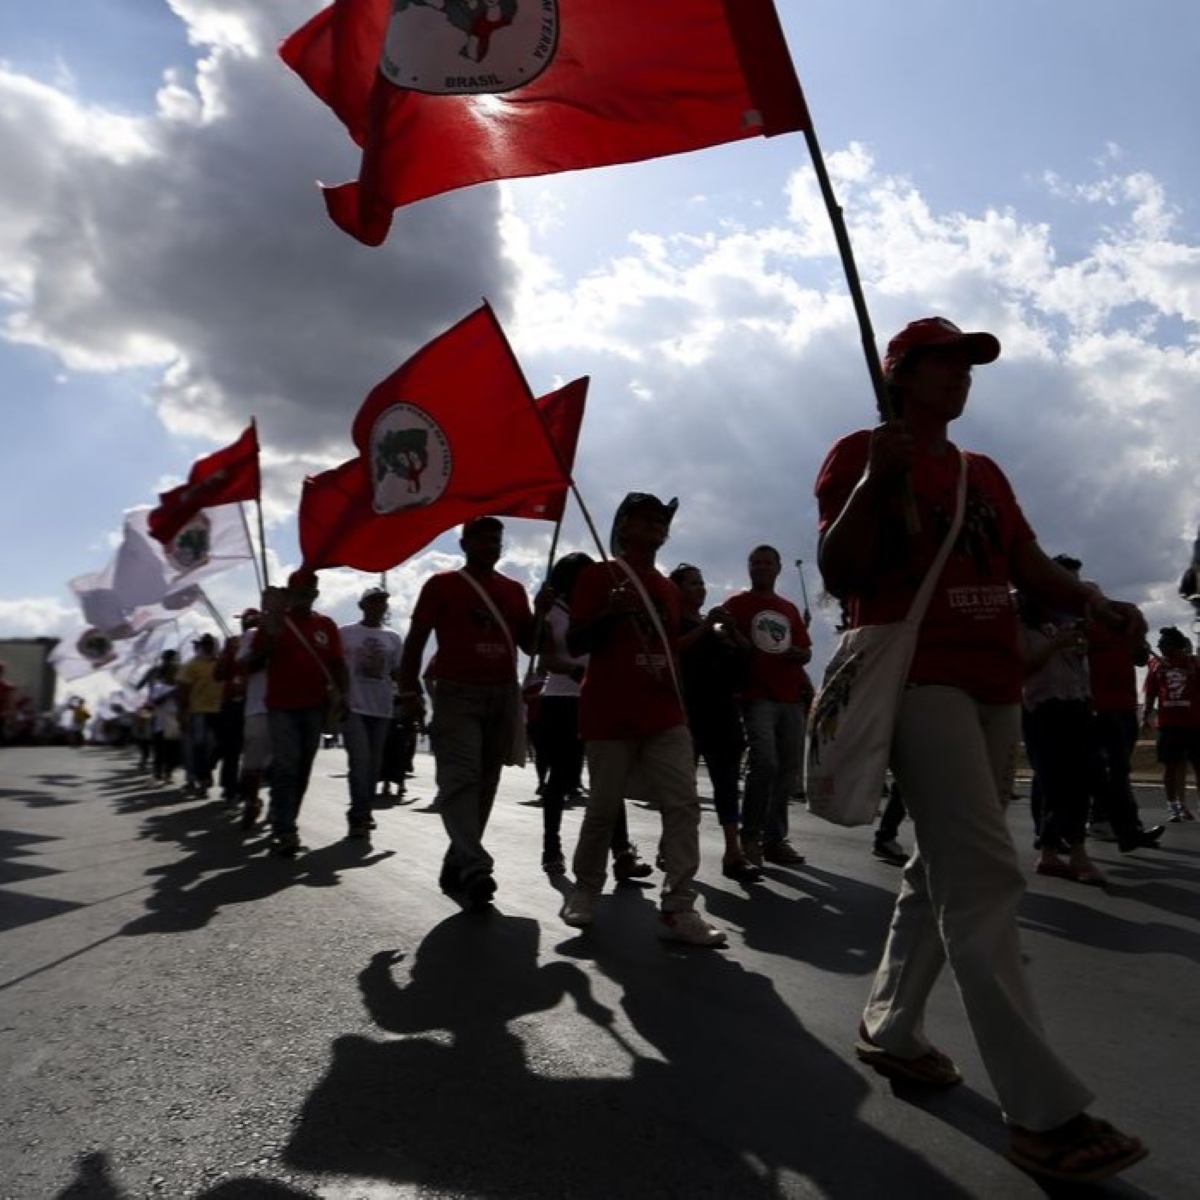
[
  {"x": 370, "y": 659},
  {"x": 771, "y": 632},
  {"x": 1175, "y": 686}
]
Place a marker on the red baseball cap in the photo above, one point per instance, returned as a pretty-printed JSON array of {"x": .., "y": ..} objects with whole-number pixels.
[{"x": 937, "y": 331}]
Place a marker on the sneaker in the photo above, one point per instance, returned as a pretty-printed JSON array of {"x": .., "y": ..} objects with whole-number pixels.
[
  {"x": 554, "y": 864},
  {"x": 890, "y": 851},
  {"x": 783, "y": 853},
  {"x": 752, "y": 848},
  {"x": 579, "y": 909},
  {"x": 629, "y": 865},
  {"x": 1101, "y": 831},
  {"x": 690, "y": 928},
  {"x": 287, "y": 844}
]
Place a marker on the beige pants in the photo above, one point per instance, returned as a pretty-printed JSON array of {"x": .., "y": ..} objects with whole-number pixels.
[
  {"x": 666, "y": 766},
  {"x": 958, "y": 903}
]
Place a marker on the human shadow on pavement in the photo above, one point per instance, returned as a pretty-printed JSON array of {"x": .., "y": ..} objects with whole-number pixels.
[
  {"x": 95, "y": 1180},
  {"x": 219, "y": 867},
  {"x": 839, "y": 924},
  {"x": 716, "y": 1089},
  {"x": 1084, "y": 925}
]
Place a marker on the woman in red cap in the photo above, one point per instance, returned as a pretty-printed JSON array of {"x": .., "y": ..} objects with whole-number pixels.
[{"x": 955, "y": 736}]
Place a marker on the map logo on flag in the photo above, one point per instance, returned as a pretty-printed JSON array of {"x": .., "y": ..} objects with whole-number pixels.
[
  {"x": 410, "y": 459},
  {"x": 468, "y": 47},
  {"x": 191, "y": 547},
  {"x": 96, "y": 647}
]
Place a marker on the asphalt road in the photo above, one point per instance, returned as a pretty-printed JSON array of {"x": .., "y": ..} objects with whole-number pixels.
[{"x": 182, "y": 1015}]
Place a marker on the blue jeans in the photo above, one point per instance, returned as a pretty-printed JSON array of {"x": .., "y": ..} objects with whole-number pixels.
[
  {"x": 199, "y": 748},
  {"x": 774, "y": 735},
  {"x": 295, "y": 739},
  {"x": 364, "y": 738}
]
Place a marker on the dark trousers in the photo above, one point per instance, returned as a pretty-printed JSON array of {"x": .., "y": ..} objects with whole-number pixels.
[
  {"x": 721, "y": 744},
  {"x": 563, "y": 751},
  {"x": 231, "y": 725},
  {"x": 1060, "y": 741},
  {"x": 1112, "y": 793}
]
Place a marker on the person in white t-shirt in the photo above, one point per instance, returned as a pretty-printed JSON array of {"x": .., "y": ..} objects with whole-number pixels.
[
  {"x": 373, "y": 662},
  {"x": 256, "y": 734}
]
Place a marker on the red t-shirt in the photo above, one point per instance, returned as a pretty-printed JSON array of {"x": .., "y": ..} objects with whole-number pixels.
[
  {"x": 772, "y": 626},
  {"x": 1173, "y": 684},
  {"x": 295, "y": 679},
  {"x": 969, "y": 636},
  {"x": 629, "y": 690},
  {"x": 1112, "y": 675},
  {"x": 471, "y": 647}
]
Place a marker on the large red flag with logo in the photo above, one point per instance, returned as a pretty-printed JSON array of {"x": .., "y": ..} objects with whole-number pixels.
[
  {"x": 223, "y": 477},
  {"x": 441, "y": 94},
  {"x": 453, "y": 434}
]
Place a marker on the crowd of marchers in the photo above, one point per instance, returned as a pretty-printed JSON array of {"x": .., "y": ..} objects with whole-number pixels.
[{"x": 633, "y": 676}]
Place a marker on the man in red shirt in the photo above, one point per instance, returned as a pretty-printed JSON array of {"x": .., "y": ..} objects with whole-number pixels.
[
  {"x": 480, "y": 619},
  {"x": 772, "y": 707},
  {"x": 625, "y": 614},
  {"x": 1172, "y": 690},
  {"x": 306, "y": 673}
]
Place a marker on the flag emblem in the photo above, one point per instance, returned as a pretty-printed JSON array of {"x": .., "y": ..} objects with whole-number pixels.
[
  {"x": 410, "y": 459},
  {"x": 96, "y": 647},
  {"x": 468, "y": 47},
  {"x": 191, "y": 546}
]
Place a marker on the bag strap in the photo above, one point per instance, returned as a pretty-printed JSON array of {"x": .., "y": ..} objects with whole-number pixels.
[
  {"x": 311, "y": 649},
  {"x": 655, "y": 621},
  {"x": 508, "y": 637},
  {"x": 920, "y": 603}
]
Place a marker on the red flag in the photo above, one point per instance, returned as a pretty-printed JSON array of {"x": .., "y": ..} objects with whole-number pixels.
[
  {"x": 223, "y": 477},
  {"x": 562, "y": 412},
  {"x": 439, "y": 98},
  {"x": 452, "y": 434}
]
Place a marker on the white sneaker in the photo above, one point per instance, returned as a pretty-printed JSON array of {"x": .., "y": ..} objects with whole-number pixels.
[
  {"x": 691, "y": 928},
  {"x": 578, "y": 909}
]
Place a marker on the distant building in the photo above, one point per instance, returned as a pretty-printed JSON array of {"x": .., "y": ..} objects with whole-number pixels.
[{"x": 29, "y": 669}]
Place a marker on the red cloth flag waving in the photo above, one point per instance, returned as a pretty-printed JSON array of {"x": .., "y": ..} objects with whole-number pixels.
[
  {"x": 223, "y": 477},
  {"x": 562, "y": 413},
  {"x": 441, "y": 94},
  {"x": 452, "y": 434}
]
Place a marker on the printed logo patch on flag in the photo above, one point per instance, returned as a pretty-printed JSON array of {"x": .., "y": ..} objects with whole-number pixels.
[
  {"x": 410, "y": 459},
  {"x": 469, "y": 47},
  {"x": 96, "y": 647},
  {"x": 192, "y": 545}
]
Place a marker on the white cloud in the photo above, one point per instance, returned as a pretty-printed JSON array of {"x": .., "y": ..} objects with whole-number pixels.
[{"x": 725, "y": 359}]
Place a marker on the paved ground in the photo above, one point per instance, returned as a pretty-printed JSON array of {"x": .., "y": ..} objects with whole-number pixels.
[{"x": 183, "y": 1016}]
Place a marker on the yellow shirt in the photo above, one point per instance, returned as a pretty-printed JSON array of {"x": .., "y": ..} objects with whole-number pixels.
[{"x": 203, "y": 691}]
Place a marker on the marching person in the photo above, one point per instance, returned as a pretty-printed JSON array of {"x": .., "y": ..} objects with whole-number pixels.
[
  {"x": 480, "y": 618},
  {"x": 956, "y": 730},
  {"x": 373, "y": 666},
  {"x": 625, "y": 614}
]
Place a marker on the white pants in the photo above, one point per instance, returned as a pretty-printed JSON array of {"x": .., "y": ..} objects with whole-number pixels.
[{"x": 958, "y": 903}]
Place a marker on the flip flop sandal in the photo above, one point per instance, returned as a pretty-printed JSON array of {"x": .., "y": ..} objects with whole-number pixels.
[
  {"x": 1092, "y": 1137},
  {"x": 931, "y": 1069}
]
